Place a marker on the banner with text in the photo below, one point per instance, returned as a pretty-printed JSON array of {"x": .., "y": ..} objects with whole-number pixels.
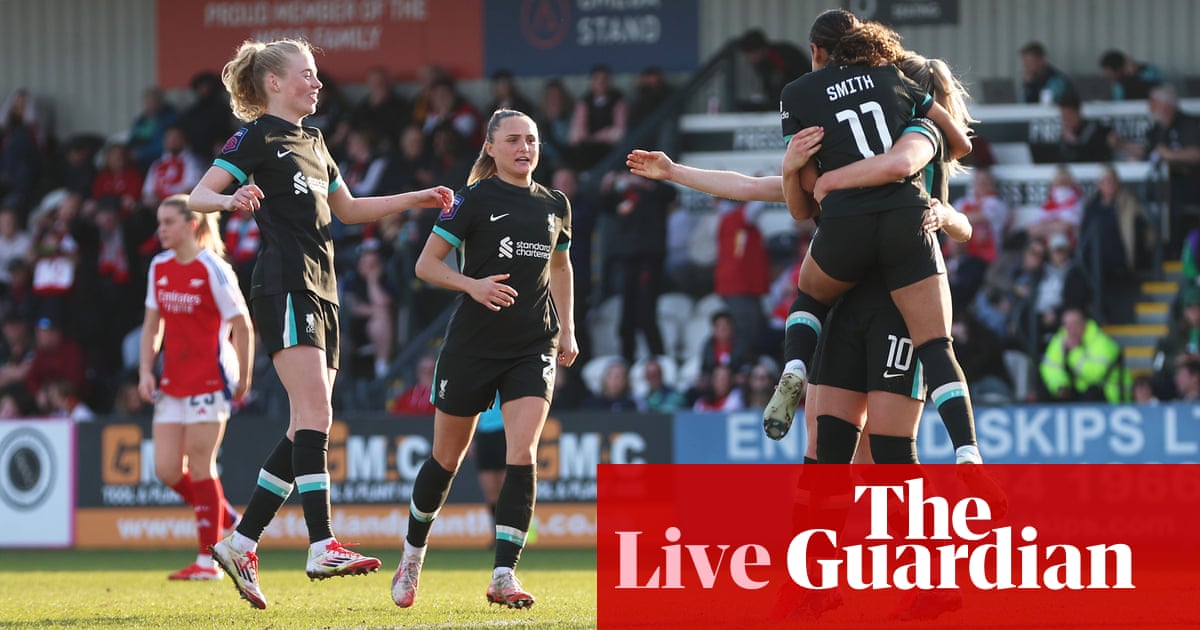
[
  {"x": 1066, "y": 434},
  {"x": 373, "y": 461},
  {"x": 547, "y": 37},
  {"x": 353, "y": 35},
  {"x": 37, "y": 482},
  {"x": 727, "y": 546}
]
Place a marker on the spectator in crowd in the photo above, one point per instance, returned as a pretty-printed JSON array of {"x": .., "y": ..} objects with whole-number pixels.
[
  {"x": 207, "y": 121},
  {"x": 506, "y": 95},
  {"x": 599, "y": 120},
  {"x": 15, "y": 244},
  {"x": 983, "y": 204},
  {"x": 1063, "y": 209},
  {"x": 451, "y": 162},
  {"x": 569, "y": 389},
  {"x": 639, "y": 209},
  {"x": 760, "y": 383},
  {"x": 16, "y": 403},
  {"x": 448, "y": 107},
  {"x": 427, "y": 75},
  {"x": 55, "y": 357},
  {"x": 176, "y": 171},
  {"x": 411, "y": 167},
  {"x": 332, "y": 116},
  {"x": 112, "y": 292},
  {"x": 743, "y": 272},
  {"x": 1131, "y": 80},
  {"x": 59, "y": 400},
  {"x": 1061, "y": 285},
  {"x": 1143, "y": 390},
  {"x": 21, "y": 103},
  {"x": 242, "y": 240},
  {"x": 1174, "y": 140},
  {"x": 1082, "y": 363},
  {"x": 417, "y": 399},
  {"x": 20, "y": 160},
  {"x": 79, "y": 167},
  {"x": 723, "y": 347},
  {"x": 56, "y": 256},
  {"x": 16, "y": 351},
  {"x": 1187, "y": 379},
  {"x": 775, "y": 65},
  {"x": 1040, "y": 81},
  {"x": 1003, "y": 305},
  {"x": 555, "y": 123},
  {"x": 615, "y": 394},
  {"x": 381, "y": 112},
  {"x": 1116, "y": 232},
  {"x": 982, "y": 357},
  {"x": 363, "y": 165},
  {"x": 650, "y": 91},
  {"x": 128, "y": 404},
  {"x": 18, "y": 300},
  {"x": 368, "y": 301},
  {"x": 1080, "y": 139},
  {"x": 660, "y": 397},
  {"x": 723, "y": 394},
  {"x": 1182, "y": 340},
  {"x": 119, "y": 181},
  {"x": 148, "y": 128},
  {"x": 965, "y": 272}
]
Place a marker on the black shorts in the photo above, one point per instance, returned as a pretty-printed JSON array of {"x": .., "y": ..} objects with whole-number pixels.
[
  {"x": 465, "y": 386},
  {"x": 297, "y": 319},
  {"x": 489, "y": 450},
  {"x": 865, "y": 347},
  {"x": 893, "y": 241}
]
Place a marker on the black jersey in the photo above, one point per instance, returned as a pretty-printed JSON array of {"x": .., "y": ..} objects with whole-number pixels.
[
  {"x": 292, "y": 166},
  {"x": 861, "y": 109},
  {"x": 935, "y": 179},
  {"x": 500, "y": 228}
]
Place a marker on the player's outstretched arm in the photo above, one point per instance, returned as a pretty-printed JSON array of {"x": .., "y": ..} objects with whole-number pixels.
[
  {"x": 350, "y": 209},
  {"x": 725, "y": 184}
]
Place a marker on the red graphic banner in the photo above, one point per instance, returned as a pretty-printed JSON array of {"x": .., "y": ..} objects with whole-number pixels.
[
  {"x": 748, "y": 546},
  {"x": 353, "y": 35}
]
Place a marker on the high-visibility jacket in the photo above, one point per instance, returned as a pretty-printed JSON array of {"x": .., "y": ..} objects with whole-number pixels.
[{"x": 1095, "y": 362}]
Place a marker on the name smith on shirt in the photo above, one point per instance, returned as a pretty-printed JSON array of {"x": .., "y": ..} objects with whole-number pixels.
[{"x": 849, "y": 86}]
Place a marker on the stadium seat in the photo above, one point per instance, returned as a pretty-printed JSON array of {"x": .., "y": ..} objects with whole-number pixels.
[
  {"x": 708, "y": 306},
  {"x": 674, "y": 311},
  {"x": 603, "y": 322},
  {"x": 698, "y": 330}
]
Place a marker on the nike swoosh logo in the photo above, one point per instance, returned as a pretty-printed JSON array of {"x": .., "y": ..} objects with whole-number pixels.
[
  {"x": 280, "y": 154},
  {"x": 887, "y": 374},
  {"x": 495, "y": 218}
]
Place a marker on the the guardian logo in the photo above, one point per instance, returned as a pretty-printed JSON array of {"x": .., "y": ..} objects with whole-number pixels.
[{"x": 942, "y": 551}]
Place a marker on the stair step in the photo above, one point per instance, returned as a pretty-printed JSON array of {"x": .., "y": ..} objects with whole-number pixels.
[
  {"x": 1139, "y": 352},
  {"x": 1159, "y": 291},
  {"x": 1134, "y": 335},
  {"x": 1136, "y": 330},
  {"x": 1152, "y": 312},
  {"x": 1172, "y": 266}
]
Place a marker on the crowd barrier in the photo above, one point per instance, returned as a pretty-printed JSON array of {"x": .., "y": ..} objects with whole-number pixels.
[{"x": 92, "y": 485}]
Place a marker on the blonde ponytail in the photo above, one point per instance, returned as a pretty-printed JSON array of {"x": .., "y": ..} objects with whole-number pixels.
[
  {"x": 485, "y": 165},
  {"x": 208, "y": 231},
  {"x": 244, "y": 75}
]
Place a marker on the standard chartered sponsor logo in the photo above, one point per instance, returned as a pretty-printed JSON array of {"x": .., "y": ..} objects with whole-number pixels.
[
  {"x": 533, "y": 250},
  {"x": 508, "y": 249}
]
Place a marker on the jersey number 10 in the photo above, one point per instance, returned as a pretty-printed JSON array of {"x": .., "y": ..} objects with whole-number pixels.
[{"x": 854, "y": 119}]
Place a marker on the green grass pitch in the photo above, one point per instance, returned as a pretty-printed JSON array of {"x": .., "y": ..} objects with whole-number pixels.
[{"x": 129, "y": 589}]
